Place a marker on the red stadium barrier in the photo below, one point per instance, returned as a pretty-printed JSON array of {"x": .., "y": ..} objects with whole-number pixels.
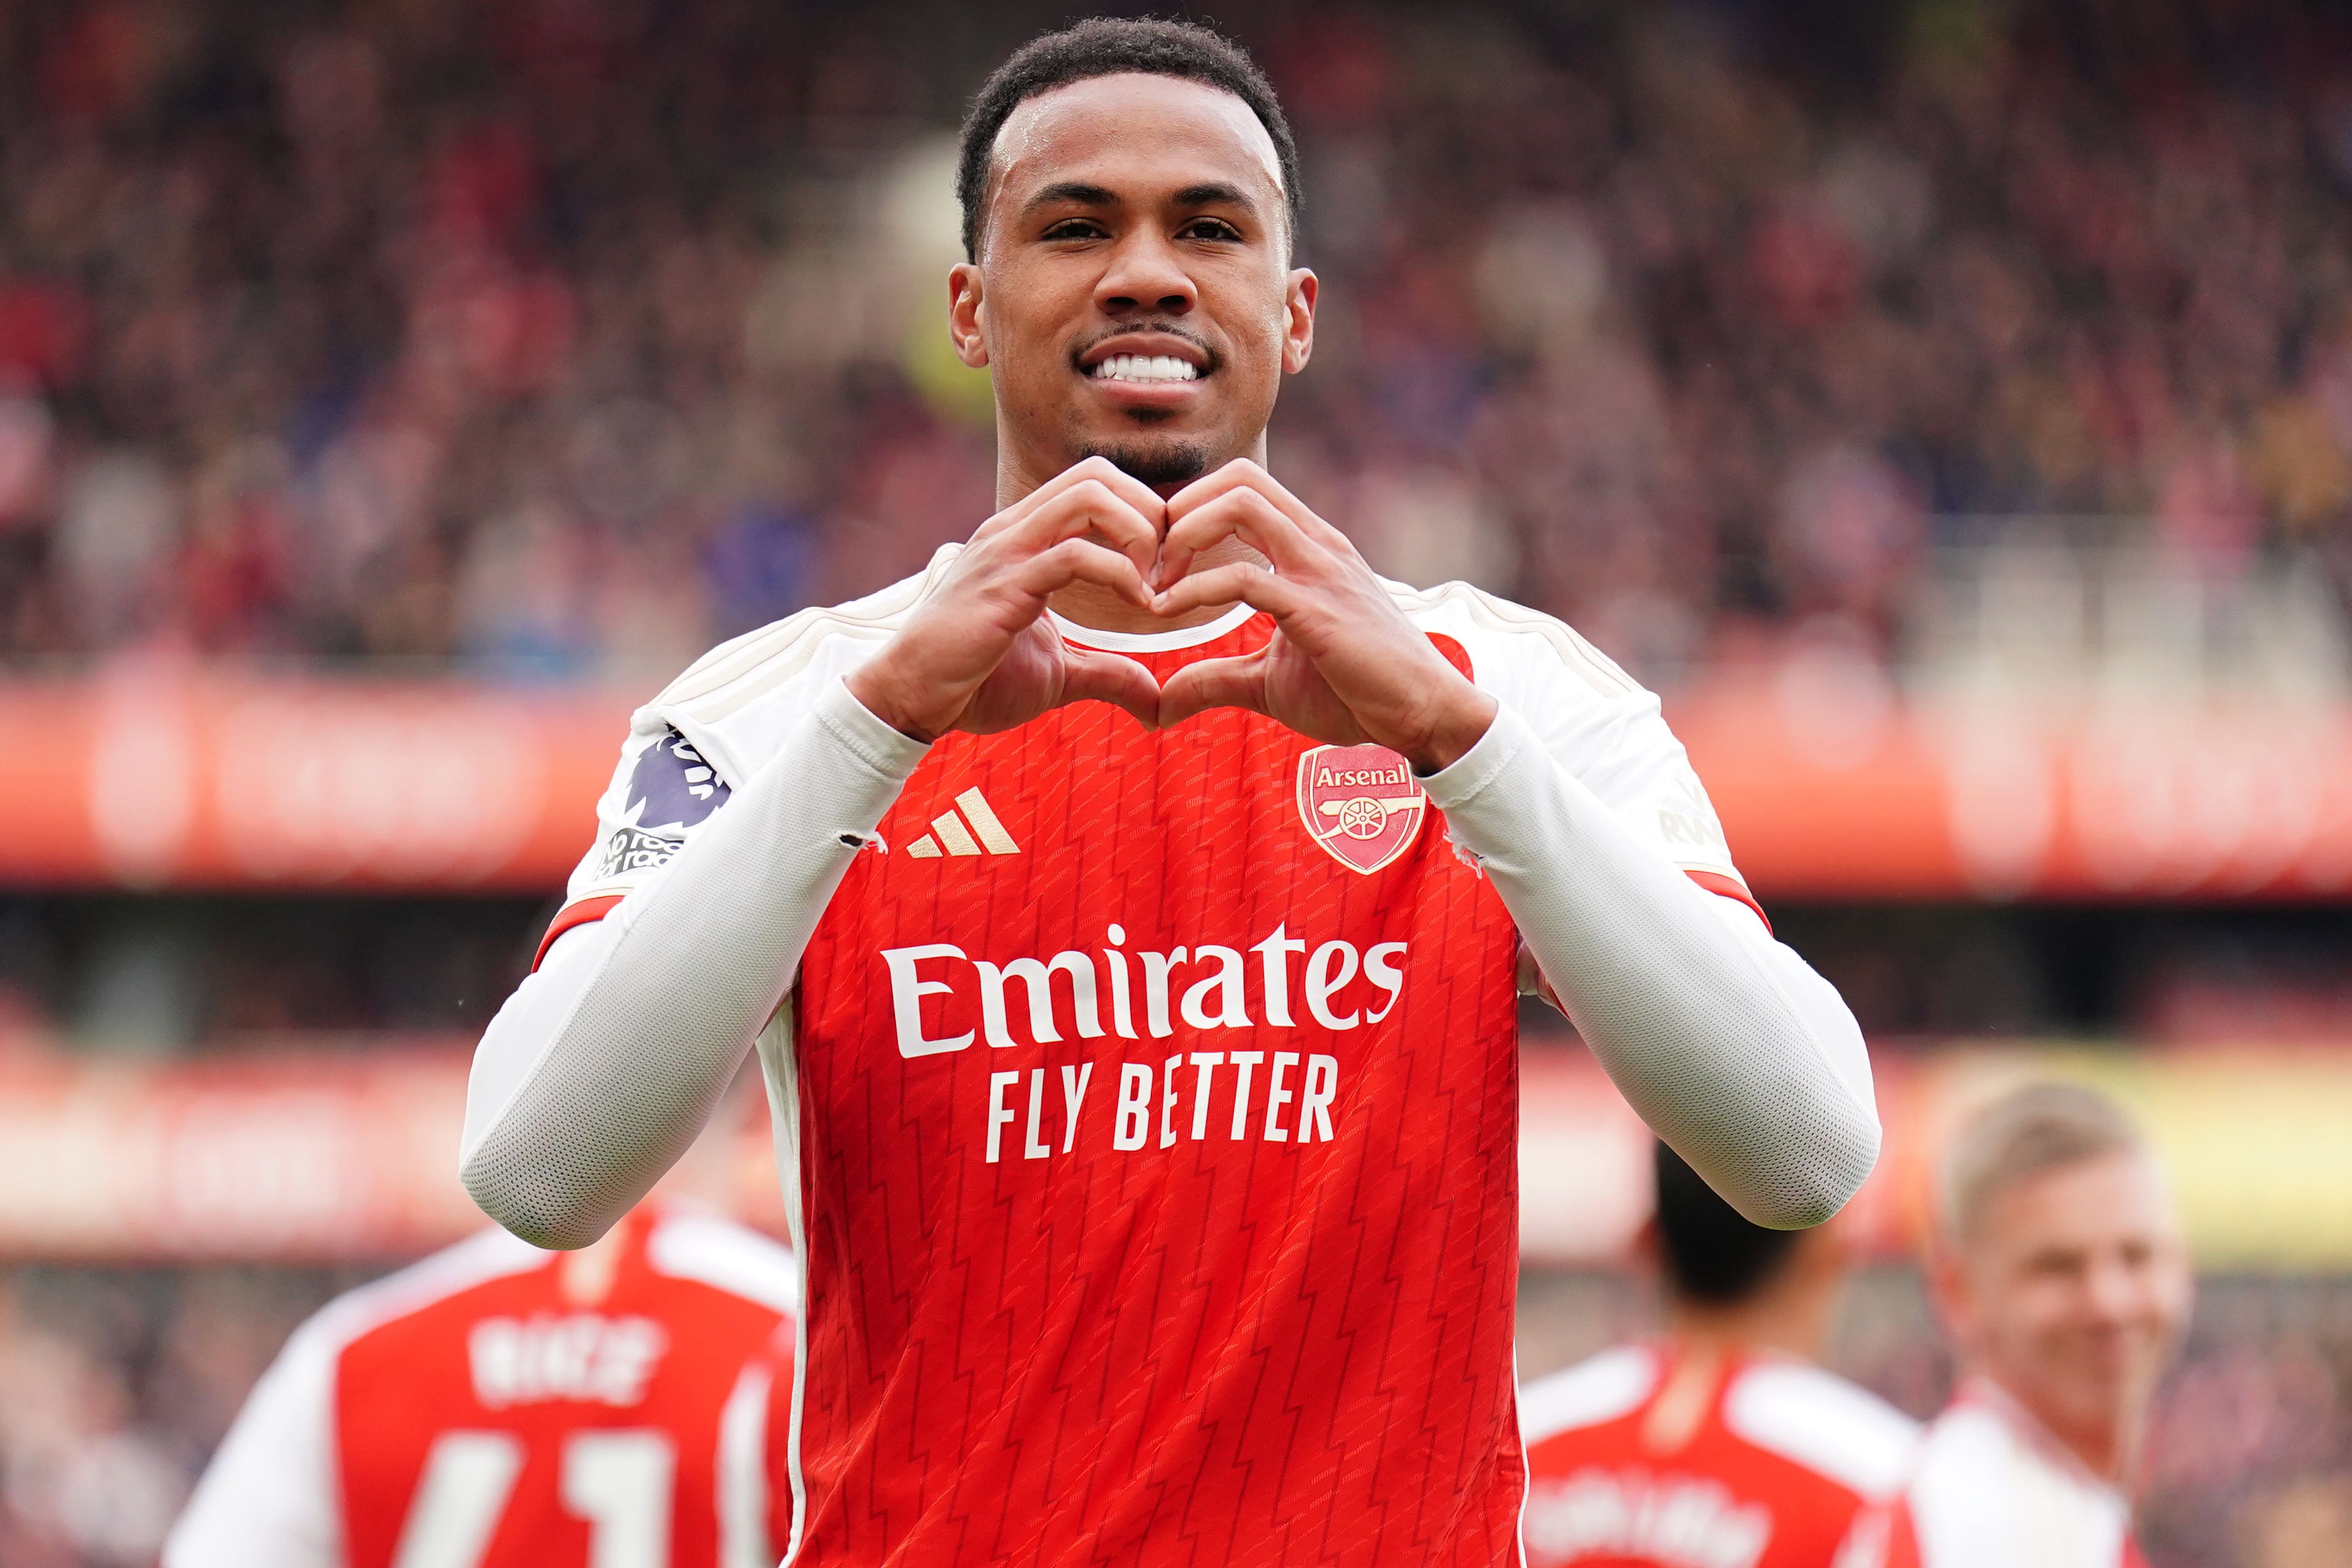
[
  {"x": 351, "y": 1153},
  {"x": 171, "y": 778},
  {"x": 175, "y": 778}
]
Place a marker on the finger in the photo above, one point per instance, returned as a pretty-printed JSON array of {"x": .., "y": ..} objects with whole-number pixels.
[
  {"x": 1238, "y": 584},
  {"x": 1089, "y": 675},
  {"x": 1238, "y": 682},
  {"x": 1090, "y": 508},
  {"x": 1238, "y": 513},
  {"x": 1242, "y": 474},
  {"x": 1100, "y": 470},
  {"x": 1082, "y": 560}
]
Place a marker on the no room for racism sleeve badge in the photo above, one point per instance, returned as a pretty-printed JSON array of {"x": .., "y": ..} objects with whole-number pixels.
[{"x": 1360, "y": 803}]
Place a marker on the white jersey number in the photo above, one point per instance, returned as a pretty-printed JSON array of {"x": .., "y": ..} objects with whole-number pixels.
[{"x": 619, "y": 1482}]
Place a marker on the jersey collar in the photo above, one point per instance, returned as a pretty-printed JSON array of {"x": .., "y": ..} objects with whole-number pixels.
[{"x": 1151, "y": 642}]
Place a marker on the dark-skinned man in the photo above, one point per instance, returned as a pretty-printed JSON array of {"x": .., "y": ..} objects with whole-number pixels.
[{"x": 1142, "y": 1053}]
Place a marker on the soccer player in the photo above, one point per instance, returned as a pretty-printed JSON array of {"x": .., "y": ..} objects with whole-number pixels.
[
  {"x": 1723, "y": 1443},
  {"x": 2060, "y": 1272},
  {"x": 499, "y": 1407},
  {"x": 1142, "y": 1048}
]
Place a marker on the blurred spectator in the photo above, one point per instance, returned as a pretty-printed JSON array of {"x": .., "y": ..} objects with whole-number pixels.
[{"x": 548, "y": 335}]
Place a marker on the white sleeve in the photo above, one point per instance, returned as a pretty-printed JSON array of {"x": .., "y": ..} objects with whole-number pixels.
[
  {"x": 1725, "y": 1041},
  {"x": 602, "y": 1069},
  {"x": 269, "y": 1498}
]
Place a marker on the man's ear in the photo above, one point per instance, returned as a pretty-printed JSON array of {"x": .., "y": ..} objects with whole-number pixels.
[
  {"x": 1952, "y": 1291},
  {"x": 1298, "y": 320},
  {"x": 964, "y": 324}
]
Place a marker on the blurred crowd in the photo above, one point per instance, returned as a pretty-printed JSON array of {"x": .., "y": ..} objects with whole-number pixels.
[
  {"x": 548, "y": 334},
  {"x": 115, "y": 1385}
]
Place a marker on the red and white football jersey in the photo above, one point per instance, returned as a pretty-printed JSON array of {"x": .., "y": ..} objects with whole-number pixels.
[
  {"x": 1147, "y": 1107},
  {"x": 1641, "y": 1458},
  {"x": 498, "y": 1406},
  {"x": 1993, "y": 1489}
]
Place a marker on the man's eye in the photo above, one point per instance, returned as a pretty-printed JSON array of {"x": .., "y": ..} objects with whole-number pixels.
[
  {"x": 1210, "y": 228},
  {"x": 1075, "y": 229}
]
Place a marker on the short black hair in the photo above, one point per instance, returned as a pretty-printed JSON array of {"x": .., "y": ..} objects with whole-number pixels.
[
  {"x": 1712, "y": 1255},
  {"x": 1106, "y": 46}
]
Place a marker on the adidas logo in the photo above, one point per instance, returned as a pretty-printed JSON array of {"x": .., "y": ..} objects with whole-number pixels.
[{"x": 986, "y": 835}]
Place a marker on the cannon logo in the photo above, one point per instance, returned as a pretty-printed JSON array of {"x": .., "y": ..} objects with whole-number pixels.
[{"x": 1360, "y": 803}]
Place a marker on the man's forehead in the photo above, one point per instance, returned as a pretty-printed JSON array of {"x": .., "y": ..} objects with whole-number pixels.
[
  {"x": 2105, "y": 1198},
  {"x": 1079, "y": 130}
]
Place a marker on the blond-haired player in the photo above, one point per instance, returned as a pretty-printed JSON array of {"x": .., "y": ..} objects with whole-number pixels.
[{"x": 2060, "y": 1269}]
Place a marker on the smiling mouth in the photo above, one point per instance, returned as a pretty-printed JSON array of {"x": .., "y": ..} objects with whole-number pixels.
[{"x": 1143, "y": 368}]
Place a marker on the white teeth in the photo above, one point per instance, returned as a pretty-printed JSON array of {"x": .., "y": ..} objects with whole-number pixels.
[{"x": 1146, "y": 367}]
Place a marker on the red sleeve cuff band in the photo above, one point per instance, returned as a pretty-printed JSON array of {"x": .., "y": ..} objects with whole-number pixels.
[
  {"x": 1730, "y": 887},
  {"x": 570, "y": 915}
]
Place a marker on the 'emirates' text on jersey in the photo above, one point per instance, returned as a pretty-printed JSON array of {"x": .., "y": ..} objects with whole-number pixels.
[{"x": 1147, "y": 1106}]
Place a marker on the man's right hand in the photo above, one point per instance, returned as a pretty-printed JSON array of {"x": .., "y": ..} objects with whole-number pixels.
[{"x": 979, "y": 655}]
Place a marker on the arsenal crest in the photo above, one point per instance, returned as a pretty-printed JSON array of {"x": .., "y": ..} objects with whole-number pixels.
[{"x": 1360, "y": 803}]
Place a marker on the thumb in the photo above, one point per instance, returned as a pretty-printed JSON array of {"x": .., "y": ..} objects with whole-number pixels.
[
  {"x": 1237, "y": 682},
  {"x": 1089, "y": 675}
]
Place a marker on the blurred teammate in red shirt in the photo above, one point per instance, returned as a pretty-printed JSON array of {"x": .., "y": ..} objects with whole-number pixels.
[
  {"x": 2060, "y": 1271},
  {"x": 498, "y": 1406},
  {"x": 1721, "y": 1445}
]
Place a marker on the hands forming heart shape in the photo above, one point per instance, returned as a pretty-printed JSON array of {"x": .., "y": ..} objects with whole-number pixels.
[{"x": 1344, "y": 666}]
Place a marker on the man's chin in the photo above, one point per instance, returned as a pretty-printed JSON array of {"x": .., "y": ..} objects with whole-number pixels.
[{"x": 1162, "y": 464}]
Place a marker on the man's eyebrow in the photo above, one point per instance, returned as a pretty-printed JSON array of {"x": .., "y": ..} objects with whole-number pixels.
[
  {"x": 1071, "y": 193},
  {"x": 1215, "y": 193}
]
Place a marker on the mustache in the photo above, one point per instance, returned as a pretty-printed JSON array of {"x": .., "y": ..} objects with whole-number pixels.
[{"x": 1209, "y": 355}]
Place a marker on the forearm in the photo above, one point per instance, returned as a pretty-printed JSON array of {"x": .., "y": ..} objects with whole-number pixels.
[
  {"x": 1725, "y": 1041},
  {"x": 604, "y": 1066}
]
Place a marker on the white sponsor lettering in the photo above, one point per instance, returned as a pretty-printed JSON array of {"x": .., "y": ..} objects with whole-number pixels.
[
  {"x": 1167, "y": 1102},
  {"x": 1278, "y": 1105},
  {"x": 1032, "y": 1150},
  {"x": 1678, "y": 1521},
  {"x": 1134, "y": 1106},
  {"x": 1156, "y": 966},
  {"x": 1277, "y": 1097},
  {"x": 579, "y": 1356},
  {"x": 1315, "y": 1100},
  {"x": 1122, "y": 1016},
  {"x": 1141, "y": 1084},
  {"x": 1275, "y": 950},
  {"x": 1037, "y": 980},
  {"x": 1073, "y": 1089},
  {"x": 1321, "y": 983},
  {"x": 907, "y": 990},
  {"x": 999, "y": 1115},
  {"x": 1382, "y": 968},
  {"x": 1243, "y": 1061},
  {"x": 1204, "y": 1064},
  {"x": 1232, "y": 1014},
  {"x": 1217, "y": 997}
]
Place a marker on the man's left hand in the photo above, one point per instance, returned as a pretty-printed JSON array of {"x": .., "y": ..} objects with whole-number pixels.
[{"x": 1345, "y": 666}]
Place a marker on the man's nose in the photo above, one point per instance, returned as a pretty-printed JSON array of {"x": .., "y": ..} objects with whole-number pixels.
[
  {"x": 2117, "y": 1291},
  {"x": 1146, "y": 277}
]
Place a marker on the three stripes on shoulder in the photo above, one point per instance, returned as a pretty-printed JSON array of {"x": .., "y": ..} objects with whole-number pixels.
[{"x": 986, "y": 835}]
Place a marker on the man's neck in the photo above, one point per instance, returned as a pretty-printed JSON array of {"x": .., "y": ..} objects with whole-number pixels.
[
  {"x": 2108, "y": 1450},
  {"x": 1793, "y": 1320}
]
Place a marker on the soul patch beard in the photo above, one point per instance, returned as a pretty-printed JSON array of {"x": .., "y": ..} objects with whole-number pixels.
[{"x": 1157, "y": 464}]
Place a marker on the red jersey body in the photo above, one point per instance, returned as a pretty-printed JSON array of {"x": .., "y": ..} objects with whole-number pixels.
[
  {"x": 1644, "y": 1458},
  {"x": 1238, "y": 1099},
  {"x": 1993, "y": 1489},
  {"x": 1146, "y": 1107},
  {"x": 497, "y": 1406}
]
